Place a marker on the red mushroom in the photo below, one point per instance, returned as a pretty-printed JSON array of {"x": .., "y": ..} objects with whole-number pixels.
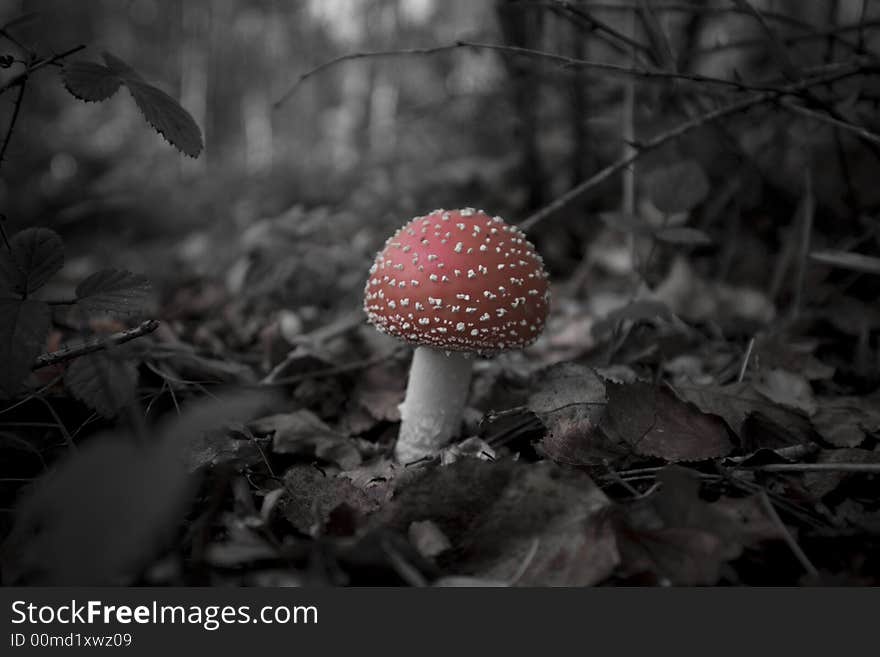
[{"x": 453, "y": 283}]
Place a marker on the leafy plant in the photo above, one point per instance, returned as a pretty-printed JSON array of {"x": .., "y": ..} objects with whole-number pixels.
[
  {"x": 30, "y": 260},
  {"x": 95, "y": 82},
  {"x": 34, "y": 255}
]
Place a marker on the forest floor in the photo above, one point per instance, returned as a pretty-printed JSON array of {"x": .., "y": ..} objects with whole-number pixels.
[{"x": 696, "y": 435}]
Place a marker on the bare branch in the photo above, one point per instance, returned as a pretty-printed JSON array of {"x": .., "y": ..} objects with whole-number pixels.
[
  {"x": 854, "y": 128},
  {"x": 870, "y": 468},
  {"x": 36, "y": 66},
  {"x": 95, "y": 344},
  {"x": 837, "y": 72},
  {"x": 570, "y": 62},
  {"x": 16, "y": 108}
]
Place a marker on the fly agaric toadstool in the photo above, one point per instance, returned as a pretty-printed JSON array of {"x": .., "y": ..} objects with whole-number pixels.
[{"x": 454, "y": 283}]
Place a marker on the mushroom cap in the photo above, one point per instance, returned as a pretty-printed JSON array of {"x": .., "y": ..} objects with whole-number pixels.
[{"x": 459, "y": 280}]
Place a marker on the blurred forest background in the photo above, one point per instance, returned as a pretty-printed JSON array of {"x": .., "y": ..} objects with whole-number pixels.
[
  {"x": 701, "y": 178},
  {"x": 381, "y": 139}
]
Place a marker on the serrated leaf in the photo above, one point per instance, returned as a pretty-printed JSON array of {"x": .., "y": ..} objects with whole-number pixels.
[
  {"x": 89, "y": 81},
  {"x": 24, "y": 324},
  {"x": 102, "y": 382},
  {"x": 167, "y": 117},
  {"x": 848, "y": 260},
  {"x": 682, "y": 235},
  {"x": 679, "y": 187},
  {"x": 36, "y": 254},
  {"x": 113, "y": 291},
  {"x": 120, "y": 68}
]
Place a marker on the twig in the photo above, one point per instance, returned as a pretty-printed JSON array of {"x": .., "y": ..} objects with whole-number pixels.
[
  {"x": 870, "y": 468},
  {"x": 15, "y": 110},
  {"x": 854, "y": 128},
  {"x": 571, "y": 62},
  {"x": 408, "y": 573},
  {"x": 833, "y": 32},
  {"x": 787, "y": 537},
  {"x": 628, "y": 136},
  {"x": 806, "y": 235},
  {"x": 359, "y": 55},
  {"x": 836, "y": 73},
  {"x": 95, "y": 344},
  {"x": 745, "y": 361},
  {"x": 3, "y": 234},
  {"x": 601, "y": 26},
  {"x": 524, "y": 566},
  {"x": 779, "y": 50},
  {"x": 36, "y": 66},
  {"x": 272, "y": 379}
]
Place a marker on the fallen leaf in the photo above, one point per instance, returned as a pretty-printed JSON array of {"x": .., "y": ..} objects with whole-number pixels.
[
  {"x": 787, "y": 389},
  {"x": 531, "y": 524},
  {"x": 822, "y": 483},
  {"x": 683, "y": 540},
  {"x": 737, "y": 402},
  {"x": 847, "y": 421},
  {"x": 654, "y": 422},
  {"x": 569, "y": 399},
  {"x": 304, "y": 433},
  {"x": 313, "y": 496}
]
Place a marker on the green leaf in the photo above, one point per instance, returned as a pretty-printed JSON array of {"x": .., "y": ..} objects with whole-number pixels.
[
  {"x": 682, "y": 235},
  {"x": 679, "y": 187},
  {"x": 24, "y": 324},
  {"x": 36, "y": 254},
  {"x": 167, "y": 117},
  {"x": 114, "y": 292},
  {"x": 90, "y": 82}
]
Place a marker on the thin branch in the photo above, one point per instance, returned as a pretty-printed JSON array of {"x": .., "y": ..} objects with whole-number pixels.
[
  {"x": 600, "y": 26},
  {"x": 830, "y": 32},
  {"x": 779, "y": 50},
  {"x": 571, "y": 62},
  {"x": 745, "y": 361},
  {"x": 273, "y": 379},
  {"x": 359, "y": 55},
  {"x": 18, "y": 44},
  {"x": 836, "y": 73},
  {"x": 16, "y": 108},
  {"x": 796, "y": 550},
  {"x": 690, "y": 8},
  {"x": 854, "y": 128},
  {"x": 3, "y": 234},
  {"x": 870, "y": 468},
  {"x": 809, "y": 209},
  {"x": 95, "y": 344},
  {"x": 36, "y": 66}
]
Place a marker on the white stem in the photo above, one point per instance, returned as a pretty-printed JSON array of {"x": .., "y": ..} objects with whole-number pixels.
[{"x": 435, "y": 397}]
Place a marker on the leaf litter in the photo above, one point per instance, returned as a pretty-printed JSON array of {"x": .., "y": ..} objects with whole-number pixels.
[{"x": 642, "y": 448}]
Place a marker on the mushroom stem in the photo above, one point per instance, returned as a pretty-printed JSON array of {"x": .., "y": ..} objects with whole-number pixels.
[{"x": 435, "y": 397}]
